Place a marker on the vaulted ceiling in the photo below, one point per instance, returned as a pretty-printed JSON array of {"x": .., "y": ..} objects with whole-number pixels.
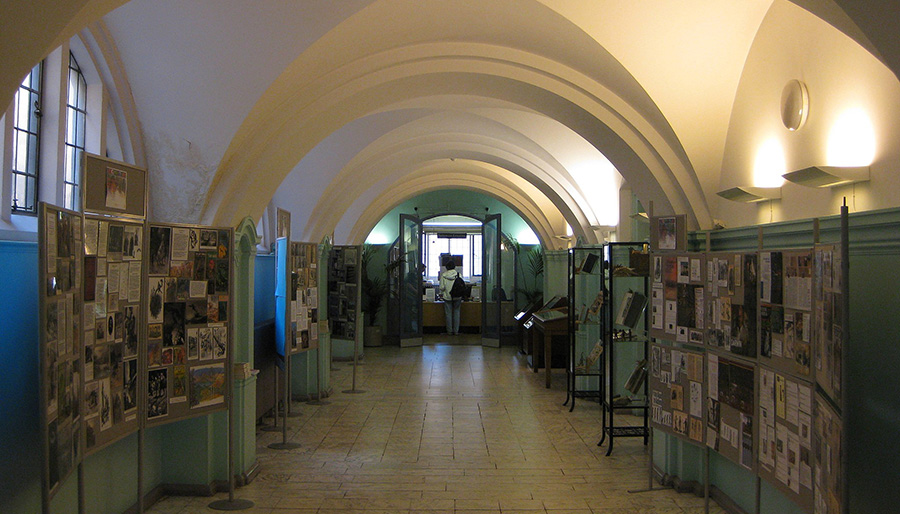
[{"x": 340, "y": 110}]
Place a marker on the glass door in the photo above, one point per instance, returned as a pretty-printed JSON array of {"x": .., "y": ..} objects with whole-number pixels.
[
  {"x": 411, "y": 269},
  {"x": 491, "y": 284}
]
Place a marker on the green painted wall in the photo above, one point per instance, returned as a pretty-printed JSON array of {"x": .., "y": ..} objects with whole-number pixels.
[{"x": 450, "y": 201}]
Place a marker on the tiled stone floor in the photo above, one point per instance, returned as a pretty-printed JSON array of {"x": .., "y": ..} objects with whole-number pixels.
[{"x": 447, "y": 429}]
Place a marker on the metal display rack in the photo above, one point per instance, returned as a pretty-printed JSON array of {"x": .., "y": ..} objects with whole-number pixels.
[
  {"x": 620, "y": 277},
  {"x": 584, "y": 376}
]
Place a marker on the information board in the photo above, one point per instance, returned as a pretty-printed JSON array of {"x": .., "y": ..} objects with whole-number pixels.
[
  {"x": 785, "y": 435},
  {"x": 189, "y": 321},
  {"x": 677, "y": 297},
  {"x": 828, "y": 333},
  {"x": 785, "y": 311},
  {"x": 829, "y": 455},
  {"x": 114, "y": 318},
  {"x": 731, "y": 408},
  {"x": 677, "y": 393},
  {"x": 304, "y": 304},
  {"x": 731, "y": 302},
  {"x": 343, "y": 291},
  {"x": 61, "y": 345}
]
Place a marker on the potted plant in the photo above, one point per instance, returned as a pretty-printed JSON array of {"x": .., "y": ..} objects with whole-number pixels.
[{"x": 374, "y": 289}]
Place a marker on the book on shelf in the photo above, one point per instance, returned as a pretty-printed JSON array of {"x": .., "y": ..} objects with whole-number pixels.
[
  {"x": 592, "y": 357},
  {"x": 630, "y": 309},
  {"x": 588, "y": 263}
]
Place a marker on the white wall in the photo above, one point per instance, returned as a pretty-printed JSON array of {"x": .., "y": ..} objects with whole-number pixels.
[{"x": 840, "y": 76}]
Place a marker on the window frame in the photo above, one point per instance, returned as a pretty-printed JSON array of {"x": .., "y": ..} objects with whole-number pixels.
[
  {"x": 74, "y": 128},
  {"x": 34, "y": 88}
]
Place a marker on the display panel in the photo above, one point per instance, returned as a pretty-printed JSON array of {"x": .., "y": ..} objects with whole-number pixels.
[
  {"x": 113, "y": 187},
  {"x": 61, "y": 344},
  {"x": 829, "y": 455},
  {"x": 677, "y": 392},
  {"x": 732, "y": 302},
  {"x": 343, "y": 291},
  {"x": 829, "y": 331},
  {"x": 731, "y": 408},
  {"x": 677, "y": 297},
  {"x": 189, "y": 321},
  {"x": 785, "y": 311},
  {"x": 113, "y": 328},
  {"x": 785, "y": 435},
  {"x": 304, "y": 296}
]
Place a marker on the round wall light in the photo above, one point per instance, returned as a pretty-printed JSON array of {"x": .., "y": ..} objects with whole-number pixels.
[{"x": 794, "y": 105}]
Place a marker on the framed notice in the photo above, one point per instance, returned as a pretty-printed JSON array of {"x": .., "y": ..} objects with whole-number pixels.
[
  {"x": 114, "y": 188},
  {"x": 668, "y": 233},
  {"x": 189, "y": 312},
  {"x": 60, "y": 343}
]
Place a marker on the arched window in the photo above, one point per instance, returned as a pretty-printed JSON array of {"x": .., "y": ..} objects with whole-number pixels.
[
  {"x": 26, "y": 143},
  {"x": 76, "y": 112}
]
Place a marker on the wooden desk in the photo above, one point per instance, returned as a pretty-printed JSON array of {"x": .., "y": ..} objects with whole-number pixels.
[
  {"x": 469, "y": 316},
  {"x": 543, "y": 330}
]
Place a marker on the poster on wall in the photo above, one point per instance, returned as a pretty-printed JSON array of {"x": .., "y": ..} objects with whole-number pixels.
[
  {"x": 731, "y": 408},
  {"x": 785, "y": 311},
  {"x": 113, "y": 320},
  {"x": 61, "y": 347},
  {"x": 677, "y": 297},
  {"x": 732, "y": 281},
  {"x": 677, "y": 392},
  {"x": 189, "y": 320}
]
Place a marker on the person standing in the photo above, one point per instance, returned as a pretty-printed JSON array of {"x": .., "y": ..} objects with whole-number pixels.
[{"x": 452, "y": 304}]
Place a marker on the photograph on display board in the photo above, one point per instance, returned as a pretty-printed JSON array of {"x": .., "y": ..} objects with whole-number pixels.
[
  {"x": 207, "y": 385},
  {"x": 677, "y": 297}
]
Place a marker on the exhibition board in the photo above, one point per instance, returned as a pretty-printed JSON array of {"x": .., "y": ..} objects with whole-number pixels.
[
  {"x": 304, "y": 301},
  {"x": 829, "y": 315},
  {"x": 829, "y": 472},
  {"x": 60, "y": 343},
  {"x": 732, "y": 303},
  {"x": 678, "y": 392},
  {"x": 785, "y": 311},
  {"x": 677, "y": 296},
  {"x": 774, "y": 332},
  {"x": 785, "y": 434},
  {"x": 189, "y": 334},
  {"x": 731, "y": 392},
  {"x": 343, "y": 291},
  {"x": 114, "y": 315}
]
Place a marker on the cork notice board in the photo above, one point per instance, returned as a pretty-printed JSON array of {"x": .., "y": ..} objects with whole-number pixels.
[{"x": 113, "y": 187}]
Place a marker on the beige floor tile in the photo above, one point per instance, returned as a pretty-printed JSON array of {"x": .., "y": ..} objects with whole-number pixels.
[{"x": 447, "y": 429}]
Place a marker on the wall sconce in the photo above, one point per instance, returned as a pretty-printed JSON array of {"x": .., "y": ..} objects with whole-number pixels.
[
  {"x": 751, "y": 194},
  {"x": 794, "y": 105},
  {"x": 828, "y": 176}
]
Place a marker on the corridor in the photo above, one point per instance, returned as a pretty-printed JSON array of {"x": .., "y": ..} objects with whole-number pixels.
[{"x": 447, "y": 428}]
